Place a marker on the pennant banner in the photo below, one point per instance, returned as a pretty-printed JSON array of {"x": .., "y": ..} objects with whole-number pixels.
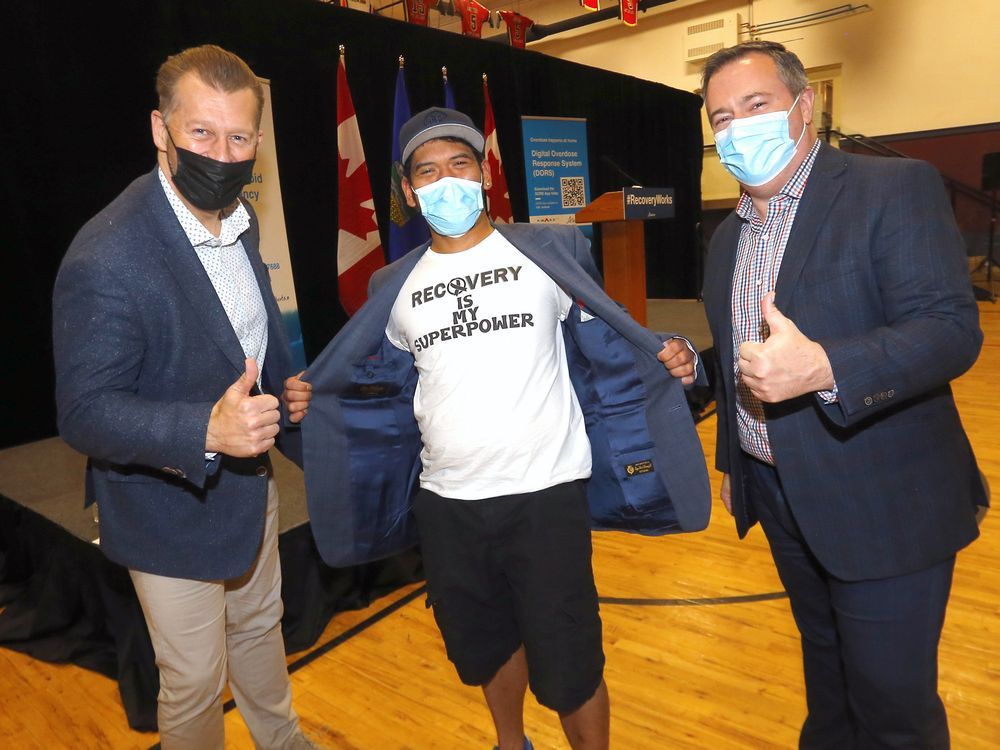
[
  {"x": 359, "y": 251},
  {"x": 517, "y": 27},
  {"x": 417, "y": 11},
  {"x": 473, "y": 16},
  {"x": 497, "y": 194},
  {"x": 628, "y": 9},
  {"x": 406, "y": 228}
]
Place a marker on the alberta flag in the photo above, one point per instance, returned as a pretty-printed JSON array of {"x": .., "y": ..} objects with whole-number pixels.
[{"x": 406, "y": 228}]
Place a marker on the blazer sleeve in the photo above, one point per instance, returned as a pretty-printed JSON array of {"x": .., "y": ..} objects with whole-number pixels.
[
  {"x": 99, "y": 345},
  {"x": 931, "y": 331}
]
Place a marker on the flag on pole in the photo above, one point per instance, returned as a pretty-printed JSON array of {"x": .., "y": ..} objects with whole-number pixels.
[
  {"x": 359, "y": 251},
  {"x": 628, "y": 9},
  {"x": 517, "y": 27},
  {"x": 406, "y": 228},
  {"x": 497, "y": 193},
  {"x": 449, "y": 94}
]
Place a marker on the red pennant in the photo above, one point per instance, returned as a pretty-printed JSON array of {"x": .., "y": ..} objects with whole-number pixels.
[
  {"x": 473, "y": 15},
  {"x": 417, "y": 11},
  {"x": 628, "y": 9},
  {"x": 517, "y": 27}
]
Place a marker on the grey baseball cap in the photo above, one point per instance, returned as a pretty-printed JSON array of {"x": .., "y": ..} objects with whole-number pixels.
[{"x": 438, "y": 122}]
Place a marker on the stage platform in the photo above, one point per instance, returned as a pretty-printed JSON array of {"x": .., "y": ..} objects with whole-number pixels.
[{"x": 63, "y": 601}]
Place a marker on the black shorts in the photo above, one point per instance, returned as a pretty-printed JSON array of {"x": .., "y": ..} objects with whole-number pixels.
[{"x": 513, "y": 570}]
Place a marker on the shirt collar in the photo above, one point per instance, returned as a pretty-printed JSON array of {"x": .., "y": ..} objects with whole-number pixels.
[
  {"x": 792, "y": 189},
  {"x": 232, "y": 226}
]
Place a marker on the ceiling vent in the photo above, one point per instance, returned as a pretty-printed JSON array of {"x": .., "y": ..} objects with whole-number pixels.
[{"x": 707, "y": 35}]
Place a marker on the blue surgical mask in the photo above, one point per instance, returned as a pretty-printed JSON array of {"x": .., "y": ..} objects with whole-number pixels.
[
  {"x": 755, "y": 149},
  {"x": 451, "y": 205}
]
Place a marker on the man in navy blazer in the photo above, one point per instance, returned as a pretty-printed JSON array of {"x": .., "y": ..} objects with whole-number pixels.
[
  {"x": 169, "y": 348},
  {"x": 485, "y": 380},
  {"x": 840, "y": 307}
]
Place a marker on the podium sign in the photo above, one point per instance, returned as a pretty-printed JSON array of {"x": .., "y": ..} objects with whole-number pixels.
[{"x": 648, "y": 203}]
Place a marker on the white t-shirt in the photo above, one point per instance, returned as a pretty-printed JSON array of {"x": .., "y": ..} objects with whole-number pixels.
[{"x": 494, "y": 403}]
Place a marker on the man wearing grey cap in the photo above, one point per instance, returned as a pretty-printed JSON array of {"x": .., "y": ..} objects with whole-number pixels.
[{"x": 491, "y": 374}]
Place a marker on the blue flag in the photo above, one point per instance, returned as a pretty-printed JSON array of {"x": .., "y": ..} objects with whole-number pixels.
[
  {"x": 406, "y": 228},
  {"x": 449, "y": 95}
]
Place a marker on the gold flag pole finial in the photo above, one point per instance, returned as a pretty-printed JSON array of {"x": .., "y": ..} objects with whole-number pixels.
[
  {"x": 444, "y": 71},
  {"x": 484, "y": 78},
  {"x": 341, "y": 50},
  {"x": 401, "y": 61}
]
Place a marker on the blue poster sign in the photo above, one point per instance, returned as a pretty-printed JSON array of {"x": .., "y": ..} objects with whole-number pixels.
[{"x": 555, "y": 167}]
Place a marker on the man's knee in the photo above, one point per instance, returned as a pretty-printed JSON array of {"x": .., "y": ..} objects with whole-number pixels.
[{"x": 190, "y": 690}]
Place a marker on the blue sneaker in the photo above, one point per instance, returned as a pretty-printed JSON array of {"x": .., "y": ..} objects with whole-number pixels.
[{"x": 527, "y": 745}]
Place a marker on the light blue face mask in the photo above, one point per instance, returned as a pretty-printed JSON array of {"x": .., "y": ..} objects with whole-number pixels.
[
  {"x": 451, "y": 205},
  {"x": 755, "y": 149}
]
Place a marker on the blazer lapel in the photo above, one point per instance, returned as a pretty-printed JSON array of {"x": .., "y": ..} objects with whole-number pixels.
[
  {"x": 541, "y": 249},
  {"x": 723, "y": 283},
  {"x": 824, "y": 184},
  {"x": 182, "y": 260}
]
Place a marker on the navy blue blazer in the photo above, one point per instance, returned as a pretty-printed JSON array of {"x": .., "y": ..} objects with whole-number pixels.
[
  {"x": 143, "y": 350},
  {"x": 882, "y": 482},
  {"x": 362, "y": 445}
]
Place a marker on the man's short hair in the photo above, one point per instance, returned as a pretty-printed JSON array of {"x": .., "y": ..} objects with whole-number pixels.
[
  {"x": 408, "y": 164},
  {"x": 216, "y": 67},
  {"x": 790, "y": 69}
]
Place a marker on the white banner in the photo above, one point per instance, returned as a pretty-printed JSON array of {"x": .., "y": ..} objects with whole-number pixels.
[{"x": 264, "y": 192}]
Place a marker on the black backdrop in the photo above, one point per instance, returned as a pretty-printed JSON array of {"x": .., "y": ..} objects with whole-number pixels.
[{"x": 77, "y": 89}]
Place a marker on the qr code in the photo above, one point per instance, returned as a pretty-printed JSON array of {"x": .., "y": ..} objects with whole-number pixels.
[{"x": 571, "y": 190}]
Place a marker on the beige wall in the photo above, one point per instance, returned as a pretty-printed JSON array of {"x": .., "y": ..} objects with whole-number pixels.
[{"x": 907, "y": 65}]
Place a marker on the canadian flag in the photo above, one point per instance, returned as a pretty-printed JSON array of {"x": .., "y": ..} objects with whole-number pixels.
[
  {"x": 499, "y": 197},
  {"x": 359, "y": 250}
]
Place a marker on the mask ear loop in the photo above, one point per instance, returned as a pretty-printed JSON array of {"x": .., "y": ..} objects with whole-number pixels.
[{"x": 804, "y": 125}]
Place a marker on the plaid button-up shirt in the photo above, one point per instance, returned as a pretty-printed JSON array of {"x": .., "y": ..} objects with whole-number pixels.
[{"x": 758, "y": 261}]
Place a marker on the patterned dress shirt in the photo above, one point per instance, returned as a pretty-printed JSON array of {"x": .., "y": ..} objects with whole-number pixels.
[{"x": 758, "y": 261}]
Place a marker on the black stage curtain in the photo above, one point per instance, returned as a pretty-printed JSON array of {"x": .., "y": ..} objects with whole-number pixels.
[
  {"x": 74, "y": 121},
  {"x": 62, "y": 600}
]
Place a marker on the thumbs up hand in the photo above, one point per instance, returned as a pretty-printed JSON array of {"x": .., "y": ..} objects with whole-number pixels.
[
  {"x": 242, "y": 425},
  {"x": 787, "y": 364}
]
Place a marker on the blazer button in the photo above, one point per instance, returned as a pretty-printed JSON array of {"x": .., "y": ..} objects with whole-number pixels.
[{"x": 262, "y": 471}]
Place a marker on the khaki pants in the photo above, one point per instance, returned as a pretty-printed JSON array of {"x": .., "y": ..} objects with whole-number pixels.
[{"x": 205, "y": 632}]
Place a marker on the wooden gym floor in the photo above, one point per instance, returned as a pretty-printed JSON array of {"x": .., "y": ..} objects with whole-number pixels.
[{"x": 701, "y": 648}]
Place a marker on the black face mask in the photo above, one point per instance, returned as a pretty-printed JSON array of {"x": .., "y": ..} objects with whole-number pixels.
[{"x": 209, "y": 184}]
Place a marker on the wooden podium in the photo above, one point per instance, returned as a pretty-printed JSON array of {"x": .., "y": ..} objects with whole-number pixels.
[{"x": 623, "y": 242}]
